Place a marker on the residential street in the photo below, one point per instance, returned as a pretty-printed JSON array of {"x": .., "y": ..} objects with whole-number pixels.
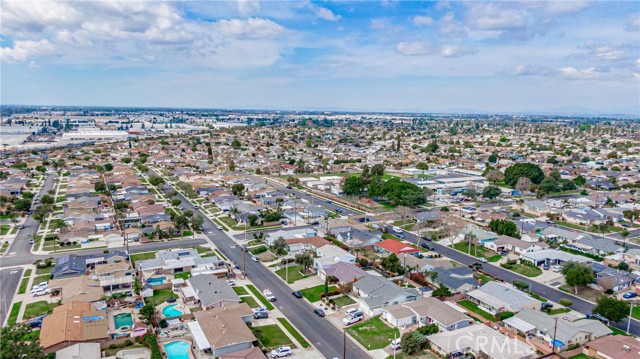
[
  {"x": 545, "y": 291},
  {"x": 322, "y": 334}
]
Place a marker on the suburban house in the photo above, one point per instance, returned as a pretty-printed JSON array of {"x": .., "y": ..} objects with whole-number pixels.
[
  {"x": 421, "y": 265},
  {"x": 551, "y": 257},
  {"x": 531, "y": 322},
  {"x": 457, "y": 279},
  {"x": 330, "y": 254},
  {"x": 209, "y": 291},
  {"x": 377, "y": 292},
  {"x": 72, "y": 323},
  {"x": 536, "y": 206},
  {"x": 80, "y": 351},
  {"x": 253, "y": 353},
  {"x": 179, "y": 260},
  {"x": 289, "y": 234},
  {"x": 344, "y": 272},
  {"x": 306, "y": 244},
  {"x": 78, "y": 289},
  {"x": 359, "y": 238},
  {"x": 222, "y": 330},
  {"x": 611, "y": 278},
  {"x": 391, "y": 246},
  {"x": 425, "y": 311},
  {"x": 481, "y": 235},
  {"x": 73, "y": 265},
  {"x": 481, "y": 341},
  {"x": 556, "y": 234},
  {"x": 511, "y": 244},
  {"x": 613, "y": 346},
  {"x": 496, "y": 297},
  {"x": 600, "y": 246}
]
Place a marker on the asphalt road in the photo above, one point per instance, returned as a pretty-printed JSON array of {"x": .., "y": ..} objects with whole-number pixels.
[
  {"x": 305, "y": 195},
  {"x": 545, "y": 291},
  {"x": 9, "y": 281},
  {"x": 320, "y": 332},
  {"x": 632, "y": 233}
]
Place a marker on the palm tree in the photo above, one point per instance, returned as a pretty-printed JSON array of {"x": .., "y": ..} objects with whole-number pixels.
[
  {"x": 234, "y": 211},
  {"x": 471, "y": 238}
]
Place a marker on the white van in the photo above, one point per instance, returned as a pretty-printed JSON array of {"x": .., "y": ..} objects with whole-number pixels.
[{"x": 397, "y": 229}]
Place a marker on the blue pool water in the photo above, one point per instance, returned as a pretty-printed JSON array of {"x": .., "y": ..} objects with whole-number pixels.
[
  {"x": 170, "y": 311},
  {"x": 177, "y": 350},
  {"x": 122, "y": 320},
  {"x": 156, "y": 280}
]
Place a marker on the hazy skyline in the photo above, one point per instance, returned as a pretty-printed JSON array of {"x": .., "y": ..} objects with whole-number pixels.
[{"x": 361, "y": 56}]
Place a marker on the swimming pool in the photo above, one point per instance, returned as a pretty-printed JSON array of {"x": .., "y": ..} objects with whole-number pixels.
[
  {"x": 177, "y": 350},
  {"x": 170, "y": 311},
  {"x": 123, "y": 320},
  {"x": 156, "y": 280}
]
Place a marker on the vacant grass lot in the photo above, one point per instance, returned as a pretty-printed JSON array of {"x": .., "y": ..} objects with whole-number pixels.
[
  {"x": 469, "y": 305},
  {"x": 273, "y": 337},
  {"x": 373, "y": 333},
  {"x": 313, "y": 293},
  {"x": 479, "y": 252},
  {"x": 293, "y": 275}
]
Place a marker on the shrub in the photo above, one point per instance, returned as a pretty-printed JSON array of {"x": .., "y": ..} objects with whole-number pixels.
[
  {"x": 565, "y": 302},
  {"x": 113, "y": 346}
]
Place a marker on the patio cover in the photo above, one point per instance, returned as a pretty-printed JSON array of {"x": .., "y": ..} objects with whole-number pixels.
[
  {"x": 201, "y": 340},
  {"x": 519, "y": 324}
]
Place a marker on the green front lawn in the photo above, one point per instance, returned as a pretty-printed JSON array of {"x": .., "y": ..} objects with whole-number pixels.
[
  {"x": 525, "y": 270},
  {"x": 42, "y": 278},
  {"x": 4, "y": 229},
  {"x": 250, "y": 301},
  {"x": 479, "y": 252},
  {"x": 272, "y": 336},
  {"x": 294, "y": 332},
  {"x": 13, "y": 315},
  {"x": 313, "y": 293},
  {"x": 343, "y": 301},
  {"x": 35, "y": 309},
  {"x": 469, "y": 305},
  {"x": 635, "y": 312},
  {"x": 373, "y": 333},
  {"x": 558, "y": 311},
  {"x": 580, "y": 356},
  {"x": 294, "y": 273},
  {"x": 260, "y": 297},
  {"x": 240, "y": 290}
]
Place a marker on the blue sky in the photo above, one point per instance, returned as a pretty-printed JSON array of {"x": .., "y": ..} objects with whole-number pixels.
[{"x": 455, "y": 56}]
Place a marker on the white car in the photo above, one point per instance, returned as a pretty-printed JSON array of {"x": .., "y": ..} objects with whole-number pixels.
[
  {"x": 351, "y": 319},
  {"x": 231, "y": 282},
  {"x": 196, "y": 206},
  {"x": 556, "y": 268},
  {"x": 255, "y": 259},
  {"x": 39, "y": 292},
  {"x": 270, "y": 297},
  {"x": 42, "y": 285},
  {"x": 219, "y": 226},
  {"x": 281, "y": 352},
  {"x": 395, "y": 344},
  {"x": 353, "y": 311}
]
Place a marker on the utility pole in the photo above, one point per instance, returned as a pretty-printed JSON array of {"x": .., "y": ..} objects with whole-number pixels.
[
  {"x": 553, "y": 343},
  {"x": 629, "y": 318}
]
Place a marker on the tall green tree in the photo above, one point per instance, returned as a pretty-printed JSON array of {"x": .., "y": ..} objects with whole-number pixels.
[
  {"x": 353, "y": 186},
  {"x": 16, "y": 343},
  {"x": 578, "y": 274},
  {"x": 529, "y": 170},
  {"x": 611, "y": 308},
  {"x": 491, "y": 192}
]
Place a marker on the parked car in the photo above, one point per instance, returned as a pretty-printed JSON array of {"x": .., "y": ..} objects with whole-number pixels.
[
  {"x": 353, "y": 311},
  {"x": 328, "y": 201},
  {"x": 41, "y": 285},
  {"x": 31, "y": 241},
  {"x": 255, "y": 259},
  {"x": 426, "y": 238},
  {"x": 629, "y": 295},
  {"x": 270, "y": 297},
  {"x": 319, "y": 312},
  {"x": 400, "y": 235},
  {"x": 395, "y": 344},
  {"x": 350, "y": 320},
  {"x": 545, "y": 267},
  {"x": 397, "y": 229},
  {"x": 260, "y": 313},
  {"x": 21, "y": 226},
  {"x": 289, "y": 187},
  {"x": 219, "y": 227},
  {"x": 281, "y": 352},
  {"x": 483, "y": 260},
  {"x": 427, "y": 246},
  {"x": 338, "y": 210},
  {"x": 315, "y": 223},
  {"x": 40, "y": 292},
  {"x": 245, "y": 248},
  {"x": 297, "y": 294},
  {"x": 557, "y": 268}
]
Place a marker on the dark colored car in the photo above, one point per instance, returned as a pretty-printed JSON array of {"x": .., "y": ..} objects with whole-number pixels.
[
  {"x": 315, "y": 223},
  {"x": 338, "y": 210},
  {"x": 244, "y": 248},
  {"x": 426, "y": 238},
  {"x": 297, "y": 294},
  {"x": 427, "y": 246},
  {"x": 319, "y": 312}
]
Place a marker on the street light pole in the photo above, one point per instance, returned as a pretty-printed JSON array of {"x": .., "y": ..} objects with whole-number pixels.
[{"x": 629, "y": 318}]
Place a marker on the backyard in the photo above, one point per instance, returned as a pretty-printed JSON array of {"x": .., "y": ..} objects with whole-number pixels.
[
  {"x": 313, "y": 293},
  {"x": 469, "y": 305},
  {"x": 373, "y": 333},
  {"x": 161, "y": 295}
]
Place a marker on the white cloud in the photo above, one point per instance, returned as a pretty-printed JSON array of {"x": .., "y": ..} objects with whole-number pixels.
[
  {"x": 24, "y": 50},
  {"x": 253, "y": 28},
  {"x": 423, "y": 20},
  {"x": 326, "y": 14},
  {"x": 451, "y": 28},
  {"x": 419, "y": 48},
  {"x": 526, "y": 70},
  {"x": 491, "y": 16},
  {"x": 248, "y": 7},
  {"x": 579, "y": 74},
  {"x": 633, "y": 22}
]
